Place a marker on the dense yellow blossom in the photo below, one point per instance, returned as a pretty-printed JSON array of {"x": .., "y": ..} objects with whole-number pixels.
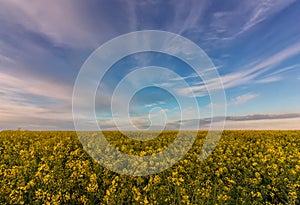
[{"x": 246, "y": 167}]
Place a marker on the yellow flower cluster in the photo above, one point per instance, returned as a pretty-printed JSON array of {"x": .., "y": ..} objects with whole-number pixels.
[{"x": 246, "y": 167}]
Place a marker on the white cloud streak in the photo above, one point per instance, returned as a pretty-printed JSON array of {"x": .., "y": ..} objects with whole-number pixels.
[
  {"x": 18, "y": 106},
  {"x": 285, "y": 69},
  {"x": 269, "y": 79},
  {"x": 64, "y": 22},
  {"x": 33, "y": 86},
  {"x": 242, "y": 99},
  {"x": 263, "y": 10},
  {"x": 248, "y": 75}
]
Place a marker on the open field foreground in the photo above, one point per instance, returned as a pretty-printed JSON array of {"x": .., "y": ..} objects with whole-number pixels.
[{"x": 247, "y": 167}]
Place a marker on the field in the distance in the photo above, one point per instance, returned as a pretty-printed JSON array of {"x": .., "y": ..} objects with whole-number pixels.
[{"x": 247, "y": 167}]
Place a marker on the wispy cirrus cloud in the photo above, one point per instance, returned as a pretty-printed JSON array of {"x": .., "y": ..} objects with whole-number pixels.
[
  {"x": 28, "y": 99},
  {"x": 67, "y": 23},
  {"x": 285, "y": 69},
  {"x": 276, "y": 75},
  {"x": 225, "y": 25},
  {"x": 269, "y": 79},
  {"x": 155, "y": 104},
  {"x": 56, "y": 19},
  {"x": 261, "y": 10},
  {"x": 247, "y": 75},
  {"x": 31, "y": 86},
  {"x": 242, "y": 99}
]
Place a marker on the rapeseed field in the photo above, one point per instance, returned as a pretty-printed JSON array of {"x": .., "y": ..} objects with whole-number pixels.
[{"x": 246, "y": 167}]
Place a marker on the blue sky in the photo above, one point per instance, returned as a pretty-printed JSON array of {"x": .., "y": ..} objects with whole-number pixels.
[{"x": 255, "y": 46}]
